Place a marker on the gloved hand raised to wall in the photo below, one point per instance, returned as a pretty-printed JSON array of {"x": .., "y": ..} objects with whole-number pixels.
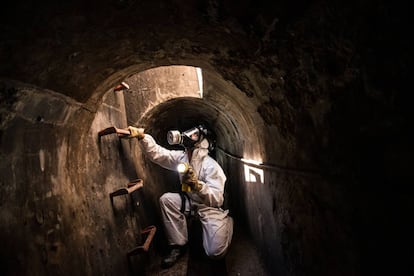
[
  {"x": 190, "y": 178},
  {"x": 136, "y": 132}
]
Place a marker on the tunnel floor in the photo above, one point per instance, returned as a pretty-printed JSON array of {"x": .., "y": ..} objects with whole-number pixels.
[{"x": 241, "y": 259}]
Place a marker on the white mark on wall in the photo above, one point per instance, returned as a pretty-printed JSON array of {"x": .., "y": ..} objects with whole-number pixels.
[
  {"x": 61, "y": 182},
  {"x": 42, "y": 160}
]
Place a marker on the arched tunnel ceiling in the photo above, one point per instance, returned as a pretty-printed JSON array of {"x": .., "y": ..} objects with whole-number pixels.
[
  {"x": 97, "y": 39},
  {"x": 229, "y": 112}
]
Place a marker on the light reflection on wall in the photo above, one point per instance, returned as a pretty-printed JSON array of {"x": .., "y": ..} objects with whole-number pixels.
[
  {"x": 200, "y": 81},
  {"x": 253, "y": 174}
]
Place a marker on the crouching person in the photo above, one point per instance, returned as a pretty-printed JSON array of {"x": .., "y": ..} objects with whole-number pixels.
[{"x": 203, "y": 182}]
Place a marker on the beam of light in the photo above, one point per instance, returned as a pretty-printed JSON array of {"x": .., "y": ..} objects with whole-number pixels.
[
  {"x": 250, "y": 161},
  {"x": 200, "y": 81}
]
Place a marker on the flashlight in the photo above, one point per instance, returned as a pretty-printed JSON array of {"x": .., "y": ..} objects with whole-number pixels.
[{"x": 183, "y": 168}]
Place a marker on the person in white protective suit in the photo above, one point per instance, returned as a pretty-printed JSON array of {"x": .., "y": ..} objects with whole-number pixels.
[{"x": 203, "y": 191}]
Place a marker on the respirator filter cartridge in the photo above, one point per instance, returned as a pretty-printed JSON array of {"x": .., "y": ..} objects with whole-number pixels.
[{"x": 174, "y": 137}]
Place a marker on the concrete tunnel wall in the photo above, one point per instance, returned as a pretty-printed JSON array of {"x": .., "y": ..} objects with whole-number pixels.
[
  {"x": 88, "y": 169},
  {"x": 56, "y": 203},
  {"x": 327, "y": 85}
]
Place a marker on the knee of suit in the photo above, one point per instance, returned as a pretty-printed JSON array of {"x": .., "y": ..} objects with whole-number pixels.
[
  {"x": 215, "y": 248},
  {"x": 216, "y": 252},
  {"x": 170, "y": 200},
  {"x": 164, "y": 200},
  {"x": 217, "y": 241}
]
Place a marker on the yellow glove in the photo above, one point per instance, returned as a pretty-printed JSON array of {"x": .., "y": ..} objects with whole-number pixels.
[
  {"x": 136, "y": 132},
  {"x": 191, "y": 180}
]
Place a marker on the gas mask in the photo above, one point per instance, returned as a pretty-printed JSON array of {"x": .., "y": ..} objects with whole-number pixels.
[{"x": 188, "y": 138}]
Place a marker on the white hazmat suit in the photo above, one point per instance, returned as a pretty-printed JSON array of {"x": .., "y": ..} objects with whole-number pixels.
[{"x": 217, "y": 225}]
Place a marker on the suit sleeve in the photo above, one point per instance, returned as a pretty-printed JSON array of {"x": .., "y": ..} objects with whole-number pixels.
[{"x": 167, "y": 159}]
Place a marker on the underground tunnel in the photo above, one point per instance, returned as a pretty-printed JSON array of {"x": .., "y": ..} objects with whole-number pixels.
[
  {"x": 308, "y": 100},
  {"x": 176, "y": 98}
]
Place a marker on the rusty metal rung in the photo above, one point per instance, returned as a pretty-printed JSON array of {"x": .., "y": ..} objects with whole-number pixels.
[
  {"x": 132, "y": 186},
  {"x": 135, "y": 185},
  {"x": 121, "y": 132},
  {"x": 150, "y": 232}
]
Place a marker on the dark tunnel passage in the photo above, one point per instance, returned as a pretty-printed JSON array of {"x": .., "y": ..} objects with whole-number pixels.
[
  {"x": 181, "y": 110},
  {"x": 309, "y": 101}
]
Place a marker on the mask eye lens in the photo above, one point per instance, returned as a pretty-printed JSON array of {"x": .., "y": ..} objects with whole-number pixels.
[{"x": 194, "y": 136}]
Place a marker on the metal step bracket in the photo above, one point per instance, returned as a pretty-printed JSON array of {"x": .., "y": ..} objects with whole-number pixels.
[
  {"x": 149, "y": 232},
  {"x": 121, "y": 132},
  {"x": 132, "y": 186}
]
